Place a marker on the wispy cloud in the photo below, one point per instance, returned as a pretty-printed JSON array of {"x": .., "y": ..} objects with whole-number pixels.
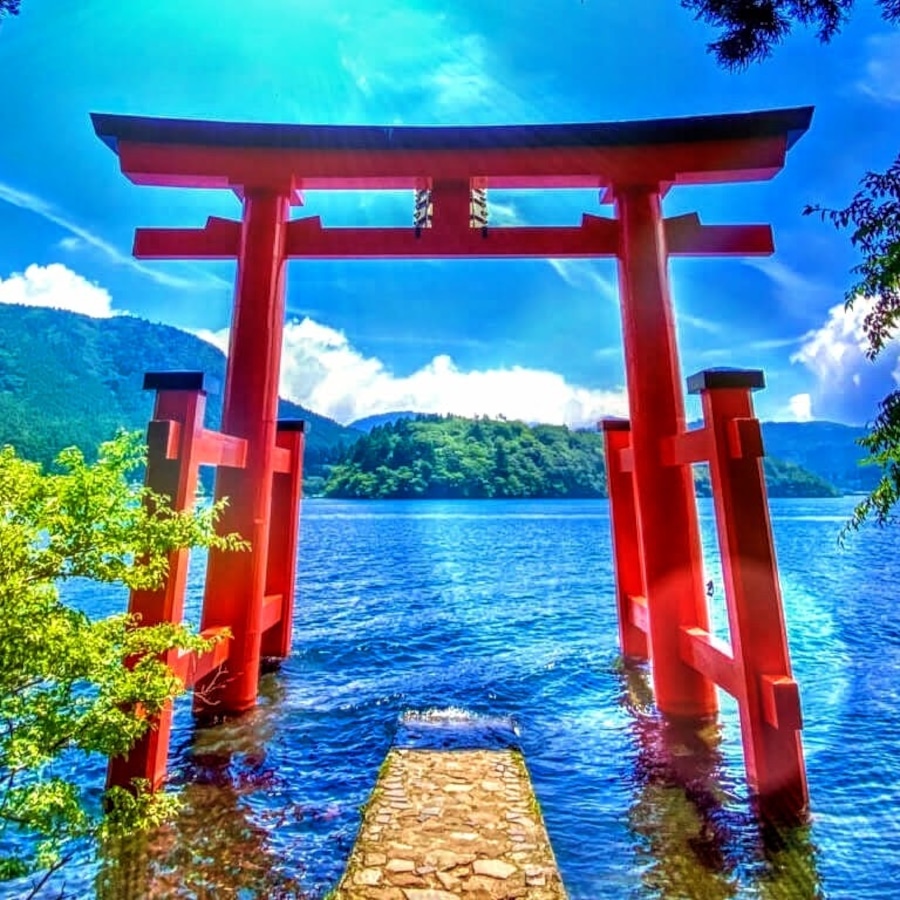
[
  {"x": 782, "y": 275},
  {"x": 503, "y": 214},
  {"x": 440, "y": 69},
  {"x": 698, "y": 322},
  {"x": 774, "y": 343},
  {"x": 881, "y": 80},
  {"x": 324, "y": 372},
  {"x": 582, "y": 274},
  {"x": 80, "y": 236}
]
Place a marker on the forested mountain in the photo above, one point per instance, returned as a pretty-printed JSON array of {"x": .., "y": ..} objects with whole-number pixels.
[
  {"x": 455, "y": 458},
  {"x": 367, "y": 423},
  {"x": 68, "y": 379},
  {"x": 827, "y": 448}
]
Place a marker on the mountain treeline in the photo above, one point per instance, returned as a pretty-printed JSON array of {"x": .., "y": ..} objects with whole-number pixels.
[
  {"x": 457, "y": 458},
  {"x": 66, "y": 379}
]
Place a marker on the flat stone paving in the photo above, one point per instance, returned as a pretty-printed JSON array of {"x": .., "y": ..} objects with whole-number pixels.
[{"x": 452, "y": 825}]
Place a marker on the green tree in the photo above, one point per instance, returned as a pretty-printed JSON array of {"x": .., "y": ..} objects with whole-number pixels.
[
  {"x": 749, "y": 32},
  {"x": 457, "y": 458},
  {"x": 65, "y": 687}
]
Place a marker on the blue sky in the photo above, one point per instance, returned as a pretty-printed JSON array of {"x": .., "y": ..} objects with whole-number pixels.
[{"x": 532, "y": 339}]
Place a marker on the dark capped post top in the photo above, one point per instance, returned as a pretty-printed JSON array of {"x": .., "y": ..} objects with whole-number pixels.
[
  {"x": 710, "y": 379},
  {"x": 300, "y": 425},
  {"x": 615, "y": 424},
  {"x": 181, "y": 381}
]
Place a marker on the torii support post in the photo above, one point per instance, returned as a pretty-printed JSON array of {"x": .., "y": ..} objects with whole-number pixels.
[
  {"x": 177, "y": 446},
  {"x": 281, "y": 564},
  {"x": 666, "y": 508},
  {"x": 236, "y": 582},
  {"x": 768, "y": 697},
  {"x": 755, "y": 666},
  {"x": 628, "y": 560}
]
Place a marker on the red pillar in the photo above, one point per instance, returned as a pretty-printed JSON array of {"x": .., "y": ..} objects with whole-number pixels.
[
  {"x": 623, "y": 523},
  {"x": 172, "y": 467},
  {"x": 769, "y": 705},
  {"x": 235, "y": 583},
  {"x": 281, "y": 570},
  {"x": 673, "y": 564}
]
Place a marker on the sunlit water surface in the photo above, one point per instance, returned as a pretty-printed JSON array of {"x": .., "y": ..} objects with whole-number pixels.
[{"x": 506, "y": 609}]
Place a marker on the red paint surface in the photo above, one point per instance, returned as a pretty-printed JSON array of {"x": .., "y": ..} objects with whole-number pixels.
[
  {"x": 769, "y": 703},
  {"x": 660, "y": 581},
  {"x": 281, "y": 566},
  {"x": 172, "y": 467},
  {"x": 627, "y": 554},
  {"x": 664, "y": 495},
  {"x": 236, "y": 582}
]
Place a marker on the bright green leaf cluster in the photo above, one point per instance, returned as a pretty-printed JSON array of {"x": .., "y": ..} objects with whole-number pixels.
[
  {"x": 874, "y": 216},
  {"x": 457, "y": 458},
  {"x": 64, "y": 684}
]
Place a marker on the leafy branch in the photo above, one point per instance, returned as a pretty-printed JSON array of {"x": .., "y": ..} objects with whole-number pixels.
[
  {"x": 65, "y": 685},
  {"x": 874, "y": 216}
]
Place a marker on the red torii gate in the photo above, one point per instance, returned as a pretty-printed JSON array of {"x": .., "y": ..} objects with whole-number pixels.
[{"x": 659, "y": 569}]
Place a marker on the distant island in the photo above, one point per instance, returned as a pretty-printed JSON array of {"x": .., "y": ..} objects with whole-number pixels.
[{"x": 454, "y": 458}]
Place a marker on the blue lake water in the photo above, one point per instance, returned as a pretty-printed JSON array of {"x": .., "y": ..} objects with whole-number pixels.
[{"x": 506, "y": 608}]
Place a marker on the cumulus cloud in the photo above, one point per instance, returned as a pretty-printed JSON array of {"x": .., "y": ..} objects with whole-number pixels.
[
  {"x": 321, "y": 370},
  {"x": 57, "y": 287},
  {"x": 848, "y": 384},
  {"x": 800, "y": 407}
]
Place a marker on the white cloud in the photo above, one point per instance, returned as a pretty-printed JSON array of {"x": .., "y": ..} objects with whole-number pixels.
[
  {"x": 322, "y": 371},
  {"x": 460, "y": 80},
  {"x": 57, "y": 287},
  {"x": 583, "y": 275},
  {"x": 698, "y": 322},
  {"x": 782, "y": 275},
  {"x": 216, "y": 338},
  {"x": 79, "y": 236},
  {"x": 800, "y": 407},
  {"x": 503, "y": 214},
  {"x": 881, "y": 81},
  {"x": 833, "y": 351},
  {"x": 427, "y": 64},
  {"x": 848, "y": 384}
]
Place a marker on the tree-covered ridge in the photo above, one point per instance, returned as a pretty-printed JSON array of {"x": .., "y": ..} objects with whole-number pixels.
[
  {"x": 69, "y": 380},
  {"x": 458, "y": 458}
]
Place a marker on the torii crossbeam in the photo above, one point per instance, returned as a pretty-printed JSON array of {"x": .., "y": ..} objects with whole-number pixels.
[{"x": 631, "y": 164}]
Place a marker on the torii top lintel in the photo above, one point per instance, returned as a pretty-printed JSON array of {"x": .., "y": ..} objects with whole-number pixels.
[{"x": 691, "y": 150}]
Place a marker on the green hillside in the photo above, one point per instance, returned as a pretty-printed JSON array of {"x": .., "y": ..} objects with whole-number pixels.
[
  {"x": 456, "y": 458},
  {"x": 827, "y": 448},
  {"x": 68, "y": 379}
]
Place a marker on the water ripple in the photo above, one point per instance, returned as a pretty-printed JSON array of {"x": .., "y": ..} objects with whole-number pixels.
[{"x": 506, "y": 610}]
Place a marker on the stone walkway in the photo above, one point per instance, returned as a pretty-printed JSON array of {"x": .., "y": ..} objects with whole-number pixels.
[{"x": 452, "y": 825}]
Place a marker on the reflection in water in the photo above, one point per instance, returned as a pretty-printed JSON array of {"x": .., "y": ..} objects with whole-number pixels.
[
  {"x": 696, "y": 835},
  {"x": 219, "y": 843}
]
